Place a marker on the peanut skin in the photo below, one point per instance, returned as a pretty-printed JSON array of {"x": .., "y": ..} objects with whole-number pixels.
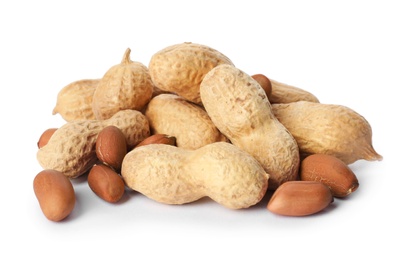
[
  {"x": 331, "y": 171},
  {"x": 111, "y": 146},
  {"x": 71, "y": 149},
  {"x": 106, "y": 183},
  {"x": 300, "y": 198},
  {"x": 55, "y": 194},
  {"x": 173, "y": 175}
]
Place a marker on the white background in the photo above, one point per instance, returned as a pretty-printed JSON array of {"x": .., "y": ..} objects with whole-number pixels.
[{"x": 354, "y": 53}]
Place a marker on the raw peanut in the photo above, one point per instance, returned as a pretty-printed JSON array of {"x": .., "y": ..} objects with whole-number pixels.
[
  {"x": 264, "y": 82},
  {"x": 55, "y": 194},
  {"x": 300, "y": 198},
  {"x": 74, "y": 101},
  {"x": 45, "y": 136},
  {"x": 173, "y": 175},
  {"x": 111, "y": 146},
  {"x": 126, "y": 85},
  {"x": 180, "y": 68},
  {"x": 188, "y": 123},
  {"x": 71, "y": 149},
  {"x": 331, "y": 171},
  {"x": 158, "y": 139},
  {"x": 284, "y": 93},
  {"x": 106, "y": 183},
  {"x": 238, "y": 106},
  {"x": 328, "y": 129}
]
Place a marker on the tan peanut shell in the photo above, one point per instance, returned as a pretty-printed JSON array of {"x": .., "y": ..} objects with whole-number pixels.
[
  {"x": 124, "y": 86},
  {"x": 328, "y": 129},
  {"x": 284, "y": 93},
  {"x": 187, "y": 122},
  {"x": 238, "y": 106},
  {"x": 74, "y": 101},
  {"x": 173, "y": 175},
  {"x": 180, "y": 68},
  {"x": 71, "y": 149}
]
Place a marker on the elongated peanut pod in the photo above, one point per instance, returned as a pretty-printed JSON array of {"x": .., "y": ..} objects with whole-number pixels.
[
  {"x": 238, "y": 106},
  {"x": 328, "y": 129},
  {"x": 71, "y": 149},
  {"x": 173, "y": 175}
]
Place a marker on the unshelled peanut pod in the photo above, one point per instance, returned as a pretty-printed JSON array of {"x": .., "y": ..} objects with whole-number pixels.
[
  {"x": 180, "y": 68},
  {"x": 127, "y": 85},
  {"x": 74, "y": 101},
  {"x": 71, "y": 149},
  {"x": 328, "y": 129}
]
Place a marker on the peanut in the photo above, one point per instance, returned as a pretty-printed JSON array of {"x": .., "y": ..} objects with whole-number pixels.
[
  {"x": 111, "y": 146},
  {"x": 188, "y": 123},
  {"x": 55, "y": 194},
  {"x": 126, "y": 85},
  {"x": 71, "y": 149},
  {"x": 180, "y": 68},
  {"x": 45, "y": 136},
  {"x": 300, "y": 198},
  {"x": 106, "y": 183},
  {"x": 173, "y": 175},
  {"x": 158, "y": 139},
  {"x": 264, "y": 82},
  {"x": 328, "y": 129},
  {"x": 284, "y": 93},
  {"x": 74, "y": 101},
  {"x": 331, "y": 171},
  {"x": 239, "y": 108}
]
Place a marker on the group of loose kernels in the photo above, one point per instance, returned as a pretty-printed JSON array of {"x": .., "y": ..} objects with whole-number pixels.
[{"x": 192, "y": 125}]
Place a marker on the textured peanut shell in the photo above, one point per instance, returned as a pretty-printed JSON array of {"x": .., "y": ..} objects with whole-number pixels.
[
  {"x": 180, "y": 68},
  {"x": 284, "y": 93},
  {"x": 124, "y": 86},
  {"x": 173, "y": 175},
  {"x": 187, "y": 122},
  {"x": 71, "y": 149},
  {"x": 74, "y": 101},
  {"x": 238, "y": 106},
  {"x": 328, "y": 129}
]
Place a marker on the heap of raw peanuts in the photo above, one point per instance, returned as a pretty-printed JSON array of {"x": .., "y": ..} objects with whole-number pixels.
[{"x": 192, "y": 124}]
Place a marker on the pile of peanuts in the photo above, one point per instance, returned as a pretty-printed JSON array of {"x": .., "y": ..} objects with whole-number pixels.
[{"x": 192, "y": 124}]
